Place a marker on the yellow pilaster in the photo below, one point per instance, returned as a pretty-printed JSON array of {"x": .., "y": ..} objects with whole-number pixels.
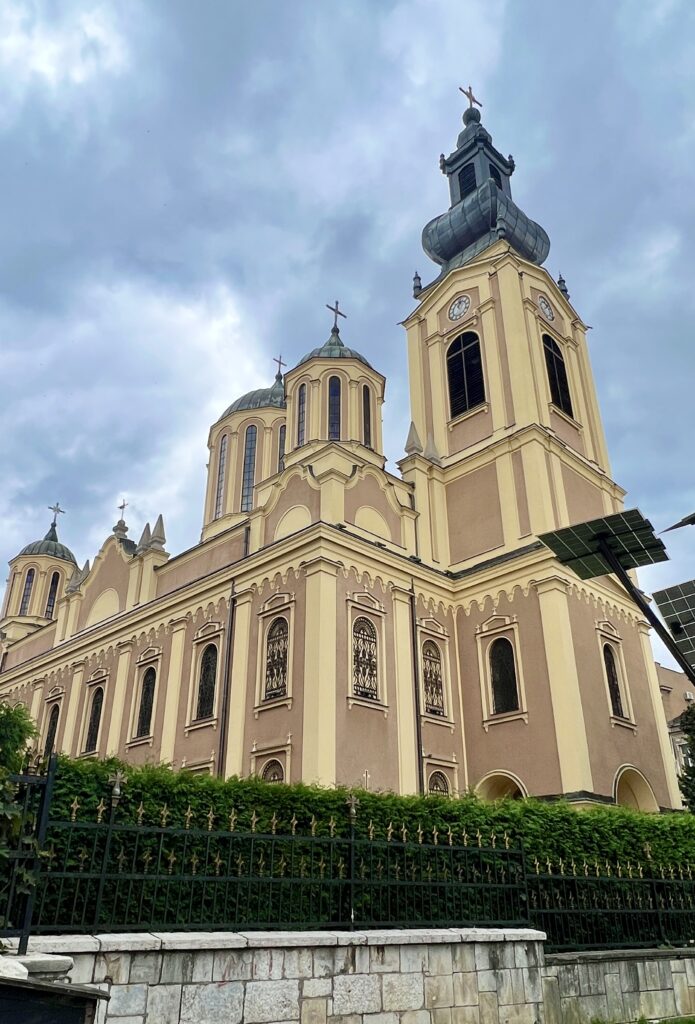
[
  {"x": 37, "y": 691},
  {"x": 238, "y": 684},
  {"x": 313, "y": 420},
  {"x": 319, "y": 724},
  {"x": 354, "y": 431},
  {"x": 515, "y": 326},
  {"x": 493, "y": 366},
  {"x": 540, "y": 506},
  {"x": 508, "y": 501},
  {"x": 266, "y": 467},
  {"x": 660, "y": 719},
  {"x": 119, "y": 697},
  {"x": 405, "y": 699},
  {"x": 173, "y": 695},
  {"x": 71, "y": 733},
  {"x": 440, "y": 398}
]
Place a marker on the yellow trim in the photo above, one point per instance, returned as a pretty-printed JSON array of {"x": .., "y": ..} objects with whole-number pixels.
[{"x": 319, "y": 724}]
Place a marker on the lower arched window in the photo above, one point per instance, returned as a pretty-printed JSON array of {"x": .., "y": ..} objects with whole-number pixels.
[
  {"x": 433, "y": 683},
  {"x": 439, "y": 784},
  {"x": 26, "y": 593},
  {"x": 464, "y": 368},
  {"x": 52, "y": 594},
  {"x": 206, "y": 683},
  {"x": 52, "y": 730},
  {"x": 144, "y": 725},
  {"x": 505, "y": 694},
  {"x": 613, "y": 681},
  {"x": 273, "y": 771},
  {"x": 557, "y": 375},
  {"x": 94, "y": 721},
  {"x": 364, "y": 659},
  {"x": 276, "y": 659}
]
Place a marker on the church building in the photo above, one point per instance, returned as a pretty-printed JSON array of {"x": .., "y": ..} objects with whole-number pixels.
[{"x": 343, "y": 625}]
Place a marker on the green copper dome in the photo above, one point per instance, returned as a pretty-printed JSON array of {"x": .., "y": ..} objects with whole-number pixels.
[
  {"x": 51, "y": 546},
  {"x": 261, "y": 398},
  {"x": 334, "y": 349}
]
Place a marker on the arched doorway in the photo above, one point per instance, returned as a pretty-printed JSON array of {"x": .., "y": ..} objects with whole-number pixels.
[
  {"x": 498, "y": 785},
  {"x": 632, "y": 790}
]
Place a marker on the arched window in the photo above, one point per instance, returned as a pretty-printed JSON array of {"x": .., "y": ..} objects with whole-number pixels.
[
  {"x": 249, "y": 471},
  {"x": 364, "y": 659},
  {"x": 276, "y": 659},
  {"x": 221, "y": 476},
  {"x": 467, "y": 182},
  {"x": 613, "y": 681},
  {"x": 206, "y": 683},
  {"x": 144, "y": 726},
  {"x": 495, "y": 175},
  {"x": 52, "y": 730},
  {"x": 301, "y": 414},
  {"x": 334, "y": 409},
  {"x": 367, "y": 416},
  {"x": 439, "y": 784},
  {"x": 52, "y": 594},
  {"x": 282, "y": 433},
  {"x": 273, "y": 771},
  {"x": 464, "y": 367},
  {"x": 505, "y": 696},
  {"x": 432, "y": 678},
  {"x": 26, "y": 593},
  {"x": 557, "y": 375},
  {"x": 94, "y": 721}
]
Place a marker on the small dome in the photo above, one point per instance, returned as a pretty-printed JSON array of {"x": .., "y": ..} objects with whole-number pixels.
[
  {"x": 261, "y": 398},
  {"x": 334, "y": 349},
  {"x": 51, "y": 546}
]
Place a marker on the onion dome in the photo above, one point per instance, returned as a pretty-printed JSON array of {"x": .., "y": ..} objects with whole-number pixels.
[
  {"x": 51, "y": 546},
  {"x": 334, "y": 349},
  {"x": 261, "y": 398}
]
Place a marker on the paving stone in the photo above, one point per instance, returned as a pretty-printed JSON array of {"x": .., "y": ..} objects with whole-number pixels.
[
  {"x": 381, "y": 1018},
  {"x": 524, "y": 1013},
  {"x": 271, "y": 1001},
  {"x": 629, "y": 976},
  {"x": 510, "y": 987},
  {"x": 177, "y": 968},
  {"x": 441, "y": 1016},
  {"x": 351, "y": 1018},
  {"x": 463, "y": 957},
  {"x": 489, "y": 1010},
  {"x": 648, "y": 974},
  {"x": 487, "y": 981},
  {"x": 528, "y": 954},
  {"x": 114, "y": 966},
  {"x": 323, "y": 963},
  {"x": 533, "y": 989},
  {"x": 139, "y": 1019},
  {"x": 313, "y": 1011},
  {"x": 592, "y": 1006},
  {"x": 82, "y": 972},
  {"x": 440, "y": 960},
  {"x": 682, "y": 994},
  {"x": 592, "y": 979},
  {"x": 465, "y": 1015},
  {"x": 403, "y": 991},
  {"x": 439, "y": 992},
  {"x": 127, "y": 1000},
  {"x": 232, "y": 965},
  {"x": 690, "y": 969},
  {"x": 614, "y": 997},
  {"x": 126, "y": 942},
  {"x": 267, "y": 964},
  {"x": 146, "y": 967},
  {"x": 414, "y": 958},
  {"x": 202, "y": 966},
  {"x": 383, "y": 959},
  {"x": 298, "y": 963},
  {"x": 466, "y": 989},
  {"x": 356, "y": 993},
  {"x": 313, "y": 987},
  {"x": 415, "y": 1017},
  {"x": 658, "y": 1003},
  {"x": 551, "y": 1001},
  {"x": 568, "y": 979},
  {"x": 164, "y": 1003},
  {"x": 220, "y": 1002}
]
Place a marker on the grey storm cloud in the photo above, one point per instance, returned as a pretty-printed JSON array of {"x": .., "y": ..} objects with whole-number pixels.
[{"x": 185, "y": 185}]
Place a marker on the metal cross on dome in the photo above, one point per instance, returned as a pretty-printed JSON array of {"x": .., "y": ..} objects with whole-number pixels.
[
  {"x": 122, "y": 507},
  {"x": 468, "y": 93},
  {"x": 56, "y": 510},
  {"x": 280, "y": 362},
  {"x": 336, "y": 313}
]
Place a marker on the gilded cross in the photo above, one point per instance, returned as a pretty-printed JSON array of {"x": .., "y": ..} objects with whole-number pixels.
[
  {"x": 122, "y": 507},
  {"x": 280, "y": 363},
  {"x": 336, "y": 313},
  {"x": 56, "y": 509},
  {"x": 468, "y": 93}
]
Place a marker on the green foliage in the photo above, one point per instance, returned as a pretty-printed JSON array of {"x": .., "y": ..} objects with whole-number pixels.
[
  {"x": 16, "y": 727},
  {"x": 687, "y": 779}
]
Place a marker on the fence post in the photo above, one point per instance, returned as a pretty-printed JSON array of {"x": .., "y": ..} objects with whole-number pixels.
[
  {"x": 115, "y": 781},
  {"x": 352, "y": 803},
  {"x": 39, "y": 838},
  {"x": 657, "y": 903}
]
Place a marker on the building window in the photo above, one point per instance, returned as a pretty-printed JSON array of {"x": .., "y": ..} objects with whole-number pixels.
[
  {"x": 467, "y": 182},
  {"x": 281, "y": 447},
  {"x": 273, "y": 771},
  {"x": 276, "y": 659},
  {"x": 505, "y": 696},
  {"x": 26, "y": 593},
  {"x": 249, "y": 472},
  {"x": 464, "y": 367},
  {"x": 221, "y": 475},
  {"x": 52, "y": 594},
  {"x": 364, "y": 659},
  {"x": 432, "y": 678},
  {"x": 144, "y": 726},
  {"x": 206, "y": 684},
  {"x": 557, "y": 375},
  {"x": 334, "y": 409},
  {"x": 495, "y": 175},
  {"x": 439, "y": 784},
  {"x": 613, "y": 681},
  {"x": 301, "y": 414},
  {"x": 94, "y": 721},
  {"x": 52, "y": 730},
  {"x": 367, "y": 416}
]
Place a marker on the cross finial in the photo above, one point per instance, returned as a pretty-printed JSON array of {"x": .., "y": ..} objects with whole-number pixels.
[
  {"x": 336, "y": 313},
  {"x": 280, "y": 363},
  {"x": 468, "y": 93},
  {"x": 56, "y": 509},
  {"x": 122, "y": 507}
]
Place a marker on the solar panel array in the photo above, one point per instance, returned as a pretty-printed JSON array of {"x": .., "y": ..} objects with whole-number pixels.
[
  {"x": 677, "y": 607},
  {"x": 628, "y": 534}
]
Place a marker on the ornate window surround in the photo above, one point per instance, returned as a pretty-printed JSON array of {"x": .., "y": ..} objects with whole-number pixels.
[
  {"x": 55, "y": 696},
  {"x": 448, "y": 767},
  {"x": 150, "y": 658},
  {"x": 566, "y": 345},
  {"x": 279, "y": 605},
  {"x": 261, "y": 754},
  {"x": 493, "y": 628},
  {"x": 210, "y": 632},
  {"x": 430, "y": 629},
  {"x": 100, "y": 677},
  {"x": 606, "y": 633},
  {"x": 363, "y": 605}
]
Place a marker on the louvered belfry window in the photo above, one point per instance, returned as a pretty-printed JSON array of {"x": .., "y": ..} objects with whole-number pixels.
[
  {"x": 52, "y": 594},
  {"x": 276, "y": 659},
  {"x": 505, "y": 696},
  {"x": 334, "y": 409},
  {"x": 613, "y": 682},
  {"x": 94, "y": 721},
  {"x": 439, "y": 784},
  {"x": 206, "y": 684},
  {"x": 52, "y": 730},
  {"x": 249, "y": 470},
  {"x": 364, "y": 659},
  {"x": 467, "y": 182},
  {"x": 432, "y": 678},
  {"x": 557, "y": 375},
  {"x": 26, "y": 593},
  {"x": 464, "y": 366},
  {"x": 144, "y": 725}
]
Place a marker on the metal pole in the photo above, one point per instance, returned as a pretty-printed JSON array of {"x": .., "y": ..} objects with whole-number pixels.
[
  {"x": 416, "y": 681},
  {"x": 644, "y": 607},
  {"x": 224, "y": 711}
]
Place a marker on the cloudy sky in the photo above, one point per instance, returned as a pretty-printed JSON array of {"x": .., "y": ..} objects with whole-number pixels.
[{"x": 184, "y": 185}]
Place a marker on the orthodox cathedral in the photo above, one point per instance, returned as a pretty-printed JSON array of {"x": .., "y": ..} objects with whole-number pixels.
[{"x": 339, "y": 624}]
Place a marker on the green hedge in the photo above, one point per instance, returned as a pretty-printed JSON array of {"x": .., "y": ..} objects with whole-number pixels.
[{"x": 551, "y": 831}]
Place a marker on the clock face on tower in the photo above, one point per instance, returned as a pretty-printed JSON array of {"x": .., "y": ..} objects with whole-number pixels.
[
  {"x": 545, "y": 308},
  {"x": 459, "y": 307}
]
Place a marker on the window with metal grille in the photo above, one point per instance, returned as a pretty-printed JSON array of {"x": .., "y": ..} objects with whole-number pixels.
[
  {"x": 557, "y": 375},
  {"x": 432, "y": 678},
  {"x": 52, "y": 730},
  {"x": 94, "y": 721},
  {"x": 467, "y": 182},
  {"x": 439, "y": 784},
  {"x": 613, "y": 681},
  {"x": 249, "y": 470},
  {"x": 26, "y": 593},
  {"x": 334, "y": 409},
  {"x": 505, "y": 696},
  {"x": 276, "y": 650},
  {"x": 144, "y": 726},
  {"x": 282, "y": 433},
  {"x": 364, "y": 659},
  {"x": 273, "y": 771},
  {"x": 301, "y": 414},
  {"x": 52, "y": 594},
  {"x": 206, "y": 683},
  {"x": 464, "y": 367},
  {"x": 367, "y": 416},
  {"x": 221, "y": 475},
  {"x": 495, "y": 175}
]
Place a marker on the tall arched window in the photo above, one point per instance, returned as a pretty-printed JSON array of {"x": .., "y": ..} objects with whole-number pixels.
[
  {"x": 282, "y": 433},
  {"x": 221, "y": 476},
  {"x": 364, "y": 659},
  {"x": 26, "y": 593},
  {"x": 206, "y": 683},
  {"x": 301, "y": 415},
  {"x": 273, "y": 771},
  {"x": 464, "y": 367},
  {"x": 613, "y": 681},
  {"x": 505, "y": 696},
  {"x": 52, "y": 594},
  {"x": 432, "y": 678},
  {"x": 467, "y": 182},
  {"x": 249, "y": 471},
  {"x": 52, "y": 730},
  {"x": 334, "y": 409},
  {"x": 557, "y": 375},
  {"x": 94, "y": 721},
  {"x": 144, "y": 726},
  {"x": 439, "y": 784},
  {"x": 276, "y": 650},
  {"x": 367, "y": 416}
]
